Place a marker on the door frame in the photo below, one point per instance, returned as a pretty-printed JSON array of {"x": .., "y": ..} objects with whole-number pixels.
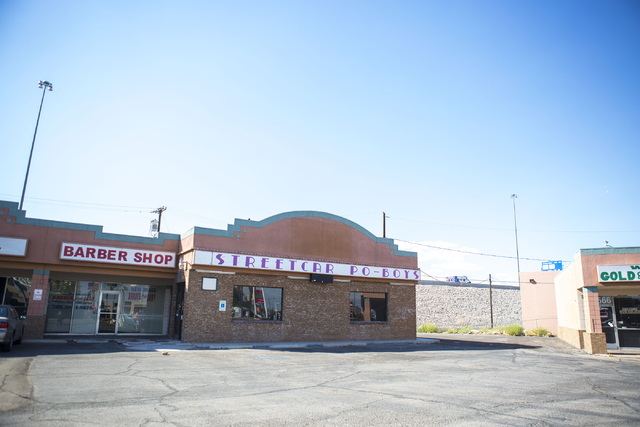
[
  {"x": 179, "y": 317},
  {"x": 607, "y": 302},
  {"x": 118, "y": 293}
]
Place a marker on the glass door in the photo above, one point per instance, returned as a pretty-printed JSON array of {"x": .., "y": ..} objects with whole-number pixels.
[
  {"x": 108, "y": 312},
  {"x": 627, "y": 316},
  {"x": 608, "y": 321}
]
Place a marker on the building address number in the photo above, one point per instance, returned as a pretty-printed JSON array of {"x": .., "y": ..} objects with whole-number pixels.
[{"x": 605, "y": 300}]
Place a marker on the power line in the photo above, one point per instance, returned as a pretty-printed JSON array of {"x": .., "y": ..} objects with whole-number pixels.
[
  {"x": 121, "y": 208},
  {"x": 449, "y": 225},
  {"x": 508, "y": 229},
  {"x": 83, "y": 205},
  {"x": 477, "y": 281},
  {"x": 469, "y": 252}
]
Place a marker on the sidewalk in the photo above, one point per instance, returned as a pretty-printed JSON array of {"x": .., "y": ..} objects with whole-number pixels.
[
  {"x": 545, "y": 343},
  {"x": 162, "y": 344},
  {"x": 167, "y": 344}
]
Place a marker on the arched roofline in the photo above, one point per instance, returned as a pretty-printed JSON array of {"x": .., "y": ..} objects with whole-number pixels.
[{"x": 236, "y": 227}]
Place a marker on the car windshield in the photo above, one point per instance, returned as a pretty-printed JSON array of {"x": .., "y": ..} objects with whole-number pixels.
[{"x": 4, "y": 312}]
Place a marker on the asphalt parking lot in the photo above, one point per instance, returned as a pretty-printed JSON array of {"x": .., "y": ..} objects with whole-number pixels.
[{"x": 460, "y": 380}]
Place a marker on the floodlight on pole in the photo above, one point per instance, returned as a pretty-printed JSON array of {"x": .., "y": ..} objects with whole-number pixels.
[
  {"x": 44, "y": 85},
  {"x": 515, "y": 225}
]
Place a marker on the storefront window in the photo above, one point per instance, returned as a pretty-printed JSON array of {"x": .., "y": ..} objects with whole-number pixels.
[
  {"x": 628, "y": 321},
  {"x": 73, "y": 307},
  {"x": 368, "y": 307},
  {"x": 15, "y": 291},
  {"x": 628, "y": 312},
  {"x": 60, "y": 306},
  {"x": 257, "y": 303},
  {"x": 111, "y": 286},
  {"x": 141, "y": 309},
  {"x": 85, "y": 308}
]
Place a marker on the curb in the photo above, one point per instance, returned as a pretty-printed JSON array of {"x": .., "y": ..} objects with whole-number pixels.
[
  {"x": 150, "y": 345},
  {"x": 137, "y": 346}
]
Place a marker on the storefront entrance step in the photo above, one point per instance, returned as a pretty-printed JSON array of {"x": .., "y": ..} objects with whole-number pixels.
[{"x": 623, "y": 354}]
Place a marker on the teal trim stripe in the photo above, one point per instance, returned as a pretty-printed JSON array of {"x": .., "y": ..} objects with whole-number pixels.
[
  {"x": 609, "y": 251},
  {"x": 43, "y": 272},
  {"x": 590, "y": 289},
  {"x": 239, "y": 223},
  {"x": 96, "y": 229}
]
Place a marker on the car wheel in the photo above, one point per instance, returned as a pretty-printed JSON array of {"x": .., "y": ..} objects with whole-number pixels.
[
  {"x": 7, "y": 346},
  {"x": 21, "y": 336}
]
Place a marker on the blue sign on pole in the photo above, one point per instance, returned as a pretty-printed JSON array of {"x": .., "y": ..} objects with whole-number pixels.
[{"x": 552, "y": 266}]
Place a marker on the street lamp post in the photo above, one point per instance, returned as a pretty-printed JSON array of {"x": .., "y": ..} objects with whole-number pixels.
[
  {"x": 42, "y": 84},
  {"x": 515, "y": 225}
]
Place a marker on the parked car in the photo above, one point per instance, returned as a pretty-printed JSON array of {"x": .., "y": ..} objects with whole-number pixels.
[{"x": 11, "y": 327}]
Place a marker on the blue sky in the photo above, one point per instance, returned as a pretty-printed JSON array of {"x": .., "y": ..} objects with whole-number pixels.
[{"x": 434, "y": 112}]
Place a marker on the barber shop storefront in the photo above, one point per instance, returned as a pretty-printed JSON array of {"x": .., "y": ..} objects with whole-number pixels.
[
  {"x": 86, "y": 307},
  {"x": 74, "y": 279},
  {"x": 296, "y": 276}
]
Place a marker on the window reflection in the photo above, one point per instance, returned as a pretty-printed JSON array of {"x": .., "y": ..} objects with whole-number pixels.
[
  {"x": 628, "y": 312},
  {"x": 72, "y": 306},
  {"x": 257, "y": 303},
  {"x": 14, "y": 291},
  {"x": 141, "y": 309},
  {"x": 60, "y": 306},
  {"x": 368, "y": 307},
  {"x": 84, "y": 308}
]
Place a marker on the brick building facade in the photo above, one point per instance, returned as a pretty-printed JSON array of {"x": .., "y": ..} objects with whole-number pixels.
[
  {"x": 368, "y": 294},
  {"x": 598, "y": 299},
  {"x": 594, "y": 302},
  {"x": 295, "y": 276}
]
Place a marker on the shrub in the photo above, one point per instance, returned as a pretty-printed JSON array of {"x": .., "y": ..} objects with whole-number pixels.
[
  {"x": 452, "y": 331},
  {"x": 428, "y": 328},
  {"x": 539, "y": 332},
  {"x": 464, "y": 330},
  {"x": 514, "y": 330}
]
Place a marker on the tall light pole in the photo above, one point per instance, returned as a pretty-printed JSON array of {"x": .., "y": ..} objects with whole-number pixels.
[
  {"x": 42, "y": 84},
  {"x": 515, "y": 225}
]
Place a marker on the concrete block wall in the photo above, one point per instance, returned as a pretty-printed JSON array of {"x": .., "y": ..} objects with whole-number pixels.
[
  {"x": 453, "y": 305},
  {"x": 571, "y": 336}
]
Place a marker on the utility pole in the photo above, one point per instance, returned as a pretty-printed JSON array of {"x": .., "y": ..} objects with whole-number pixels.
[
  {"x": 515, "y": 226},
  {"x": 384, "y": 225},
  {"x": 159, "y": 212},
  {"x": 491, "y": 301}
]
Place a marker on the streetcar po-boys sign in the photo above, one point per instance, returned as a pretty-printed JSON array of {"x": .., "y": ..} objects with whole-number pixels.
[{"x": 222, "y": 259}]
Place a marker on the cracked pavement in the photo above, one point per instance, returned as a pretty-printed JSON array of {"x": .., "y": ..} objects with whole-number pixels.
[{"x": 516, "y": 381}]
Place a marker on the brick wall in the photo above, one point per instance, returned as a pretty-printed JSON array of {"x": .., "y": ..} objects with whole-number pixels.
[
  {"x": 465, "y": 304},
  {"x": 594, "y": 343},
  {"x": 39, "y": 280},
  {"x": 34, "y": 326},
  {"x": 310, "y": 311}
]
